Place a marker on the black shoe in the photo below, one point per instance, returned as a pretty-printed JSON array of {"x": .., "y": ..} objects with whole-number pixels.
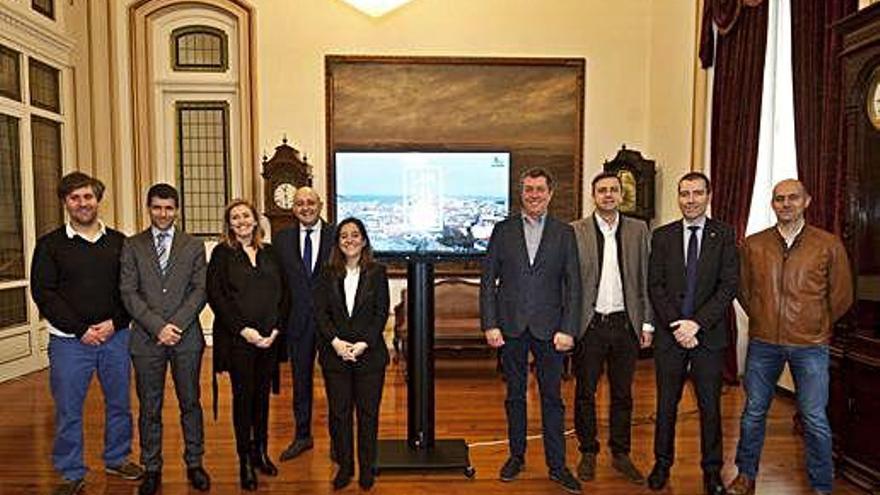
[
  {"x": 587, "y": 466},
  {"x": 246, "y": 475},
  {"x": 69, "y": 487},
  {"x": 342, "y": 479},
  {"x": 262, "y": 463},
  {"x": 712, "y": 484},
  {"x": 198, "y": 478},
  {"x": 296, "y": 448},
  {"x": 658, "y": 477},
  {"x": 150, "y": 484},
  {"x": 566, "y": 480},
  {"x": 511, "y": 468},
  {"x": 367, "y": 479},
  {"x": 624, "y": 465}
]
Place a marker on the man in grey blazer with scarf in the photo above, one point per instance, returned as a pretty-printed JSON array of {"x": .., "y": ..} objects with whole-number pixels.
[
  {"x": 616, "y": 320},
  {"x": 162, "y": 282},
  {"x": 529, "y": 302}
]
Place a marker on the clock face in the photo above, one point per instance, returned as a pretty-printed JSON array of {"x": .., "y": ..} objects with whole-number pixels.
[
  {"x": 283, "y": 195},
  {"x": 873, "y": 100}
]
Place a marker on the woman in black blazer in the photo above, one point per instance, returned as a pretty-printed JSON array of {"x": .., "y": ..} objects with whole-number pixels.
[
  {"x": 246, "y": 291},
  {"x": 351, "y": 302}
]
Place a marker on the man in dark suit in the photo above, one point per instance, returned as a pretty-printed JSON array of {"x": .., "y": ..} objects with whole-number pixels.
[
  {"x": 692, "y": 278},
  {"x": 529, "y": 301},
  {"x": 303, "y": 249},
  {"x": 162, "y": 282},
  {"x": 615, "y": 321}
]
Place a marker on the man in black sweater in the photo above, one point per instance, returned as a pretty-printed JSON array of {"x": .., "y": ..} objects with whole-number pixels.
[{"x": 75, "y": 283}]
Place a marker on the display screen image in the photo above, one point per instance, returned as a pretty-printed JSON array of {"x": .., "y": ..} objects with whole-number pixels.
[{"x": 426, "y": 203}]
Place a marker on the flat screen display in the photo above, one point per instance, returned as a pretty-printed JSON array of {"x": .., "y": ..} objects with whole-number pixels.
[{"x": 424, "y": 203}]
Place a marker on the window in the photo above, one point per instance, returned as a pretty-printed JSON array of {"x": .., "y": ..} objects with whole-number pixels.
[
  {"x": 199, "y": 48},
  {"x": 203, "y": 165},
  {"x": 10, "y": 74},
  {"x": 45, "y": 7},
  {"x": 46, "y": 144},
  {"x": 13, "y": 305},
  {"x": 11, "y": 224},
  {"x": 44, "y": 86}
]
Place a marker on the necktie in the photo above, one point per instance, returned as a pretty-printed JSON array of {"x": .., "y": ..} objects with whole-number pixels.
[
  {"x": 690, "y": 293},
  {"x": 162, "y": 251},
  {"x": 307, "y": 253}
]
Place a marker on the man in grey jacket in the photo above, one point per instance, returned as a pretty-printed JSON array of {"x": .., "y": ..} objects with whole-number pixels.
[
  {"x": 162, "y": 282},
  {"x": 615, "y": 321}
]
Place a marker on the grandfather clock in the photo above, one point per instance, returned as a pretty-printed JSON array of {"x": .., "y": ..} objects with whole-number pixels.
[
  {"x": 854, "y": 404},
  {"x": 283, "y": 174}
]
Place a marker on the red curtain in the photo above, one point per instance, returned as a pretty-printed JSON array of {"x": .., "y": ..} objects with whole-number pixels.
[
  {"x": 818, "y": 106},
  {"x": 736, "y": 120}
]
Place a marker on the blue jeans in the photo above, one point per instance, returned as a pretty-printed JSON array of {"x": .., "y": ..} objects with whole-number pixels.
[
  {"x": 71, "y": 366},
  {"x": 809, "y": 368}
]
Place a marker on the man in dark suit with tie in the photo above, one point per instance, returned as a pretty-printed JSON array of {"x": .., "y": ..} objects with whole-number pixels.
[
  {"x": 530, "y": 293},
  {"x": 162, "y": 281},
  {"x": 303, "y": 249},
  {"x": 692, "y": 279},
  {"x": 616, "y": 320}
]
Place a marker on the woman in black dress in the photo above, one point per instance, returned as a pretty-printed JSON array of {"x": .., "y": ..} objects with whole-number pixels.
[
  {"x": 246, "y": 292},
  {"x": 351, "y": 303}
]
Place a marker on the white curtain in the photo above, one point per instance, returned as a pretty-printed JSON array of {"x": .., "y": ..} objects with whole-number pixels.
[{"x": 777, "y": 156}]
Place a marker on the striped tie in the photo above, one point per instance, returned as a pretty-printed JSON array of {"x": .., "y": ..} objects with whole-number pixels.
[{"x": 162, "y": 251}]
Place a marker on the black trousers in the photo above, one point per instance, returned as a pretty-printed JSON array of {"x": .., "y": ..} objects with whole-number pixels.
[
  {"x": 251, "y": 373},
  {"x": 548, "y": 368},
  {"x": 608, "y": 339},
  {"x": 354, "y": 391},
  {"x": 673, "y": 364},
  {"x": 149, "y": 372},
  {"x": 302, "y": 364}
]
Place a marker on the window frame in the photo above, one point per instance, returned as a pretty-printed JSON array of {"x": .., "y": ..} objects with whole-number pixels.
[
  {"x": 180, "y": 106},
  {"x": 180, "y": 32}
]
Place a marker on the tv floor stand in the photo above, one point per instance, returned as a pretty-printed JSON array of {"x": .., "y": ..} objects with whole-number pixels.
[{"x": 421, "y": 451}]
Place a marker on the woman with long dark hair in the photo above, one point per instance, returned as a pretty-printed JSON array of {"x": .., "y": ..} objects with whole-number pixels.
[
  {"x": 247, "y": 294},
  {"x": 351, "y": 301}
]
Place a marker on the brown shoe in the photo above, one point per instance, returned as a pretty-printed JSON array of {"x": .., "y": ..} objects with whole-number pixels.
[
  {"x": 741, "y": 485},
  {"x": 587, "y": 467},
  {"x": 69, "y": 487},
  {"x": 127, "y": 471}
]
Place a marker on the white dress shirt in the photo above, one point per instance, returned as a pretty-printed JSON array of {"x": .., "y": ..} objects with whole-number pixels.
[
  {"x": 350, "y": 284},
  {"x": 609, "y": 299}
]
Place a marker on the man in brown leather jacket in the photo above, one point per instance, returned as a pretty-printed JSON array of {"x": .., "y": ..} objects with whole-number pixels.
[{"x": 795, "y": 282}]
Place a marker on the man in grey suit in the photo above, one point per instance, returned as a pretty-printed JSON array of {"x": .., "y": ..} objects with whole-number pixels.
[
  {"x": 616, "y": 320},
  {"x": 162, "y": 282},
  {"x": 529, "y": 301}
]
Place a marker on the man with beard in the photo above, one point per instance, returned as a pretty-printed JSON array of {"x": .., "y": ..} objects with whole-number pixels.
[
  {"x": 75, "y": 283},
  {"x": 615, "y": 321}
]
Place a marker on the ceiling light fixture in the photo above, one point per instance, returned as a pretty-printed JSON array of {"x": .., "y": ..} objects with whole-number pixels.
[{"x": 376, "y": 8}]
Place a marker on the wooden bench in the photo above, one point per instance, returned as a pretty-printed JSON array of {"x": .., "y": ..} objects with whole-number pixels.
[{"x": 456, "y": 318}]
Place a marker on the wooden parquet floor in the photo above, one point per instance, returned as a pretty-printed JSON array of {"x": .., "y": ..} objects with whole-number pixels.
[{"x": 469, "y": 404}]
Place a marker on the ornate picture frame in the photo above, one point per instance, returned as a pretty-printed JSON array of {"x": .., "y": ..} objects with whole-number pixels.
[{"x": 531, "y": 107}]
